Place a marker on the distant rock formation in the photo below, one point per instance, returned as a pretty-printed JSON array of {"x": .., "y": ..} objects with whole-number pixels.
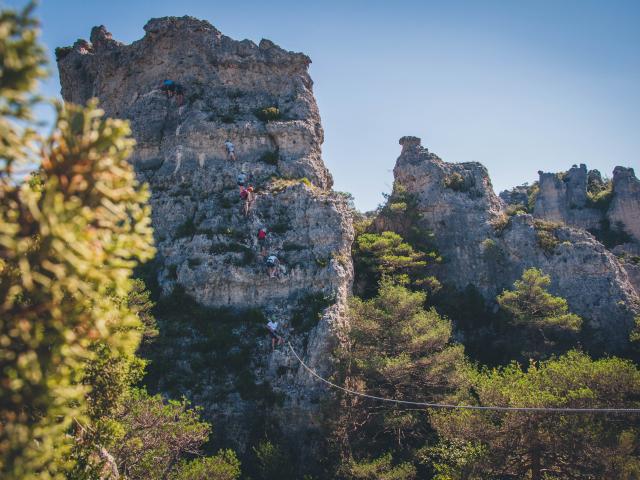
[
  {"x": 483, "y": 246},
  {"x": 260, "y": 98},
  {"x": 610, "y": 210}
]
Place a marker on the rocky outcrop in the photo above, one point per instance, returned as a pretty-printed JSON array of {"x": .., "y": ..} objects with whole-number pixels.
[
  {"x": 581, "y": 198},
  {"x": 482, "y": 246},
  {"x": 625, "y": 203},
  {"x": 260, "y": 98}
]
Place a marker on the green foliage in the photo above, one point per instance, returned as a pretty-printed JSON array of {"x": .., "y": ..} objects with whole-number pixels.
[
  {"x": 534, "y": 191},
  {"x": 546, "y": 235},
  {"x": 600, "y": 196},
  {"x": 309, "y": 311},
  {"x": 491, "y": 250},
  {"x": 457, "y": 182},
  {"x": 395, "y": 349},
  {"x": 272, "y": 461},
  {"x": 386, "y": 254},
  {"x": 268, "y": 114},
  {"x": 222, "y": 466},
  {"x": 270, "y": 158},
  {"x": 22, "y": 61},
  {"x": 526, "y": 445},
  {"x": 381, "y": 468},
  {"x": 154, "y": 435},
  {"x": 541, "y": 318},
  {"x": 517, "y": 209},
  {"x": 634, "y": 336},
  {"x": 57, "y": 301},
  {"x": 402, "y": 215},
  {"x": 500, "y": 222},
  {"x": 455, "y": 460}
]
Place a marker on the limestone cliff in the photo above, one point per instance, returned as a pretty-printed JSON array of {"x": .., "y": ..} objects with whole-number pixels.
[
  {"x": 482, "y": 246},
  {"x": 260, "y": 98},
  {"x": 610, "y": 210}
]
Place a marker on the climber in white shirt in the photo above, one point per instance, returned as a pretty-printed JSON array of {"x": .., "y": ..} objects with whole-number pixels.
[
  {"x": 272, "y": 326},
  {"x": 231, "y": 150}
]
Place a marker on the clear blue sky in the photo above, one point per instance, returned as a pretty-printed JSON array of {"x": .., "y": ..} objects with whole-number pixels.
[{"x": 519, "y": 86}]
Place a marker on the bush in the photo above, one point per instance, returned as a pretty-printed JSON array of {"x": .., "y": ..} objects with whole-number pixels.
[
  {"x": 268, "y": 114},
  {"x": 500, "y": 222},
  {"x": 517, "y": 209},
  {"x": 223, "y": 466},
  {"x": 270, "y": 158},
  {"x": 601, "y": 199},
  {"x": 457, "y": 182},
  {"x": 534, "y": 190},
  {"x": 546, "y": 235},
  {"x": 62, "y": 52}
]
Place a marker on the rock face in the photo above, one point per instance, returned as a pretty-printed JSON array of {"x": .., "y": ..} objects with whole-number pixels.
[
  {"x": 483, "y": 247},
  {"x": 625, "y": 204},
  {"x": 580, "y": 198},
  {"x": 206, "y": 245},
  {"x": 571, "y": 197}
]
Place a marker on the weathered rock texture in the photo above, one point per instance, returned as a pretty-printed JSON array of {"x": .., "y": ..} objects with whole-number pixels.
[
  {"x": 205, "y": 244},
  {"x": 572, "y": 198},
  {"x": 483, "y": 247}
]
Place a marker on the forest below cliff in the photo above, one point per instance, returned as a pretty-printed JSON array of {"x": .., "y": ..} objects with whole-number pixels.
[{"x": 105, "y": 356}]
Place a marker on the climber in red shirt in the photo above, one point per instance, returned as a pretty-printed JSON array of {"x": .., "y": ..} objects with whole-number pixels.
[{"x": 262, "y": 241}]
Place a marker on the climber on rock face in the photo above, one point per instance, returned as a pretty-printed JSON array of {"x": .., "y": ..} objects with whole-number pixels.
[
  {"x": 262, "y": 241},
  {"x": 272, "y": 326},
  {"x": 249, "y": 198},
  {"x": 272, "y": 265},
  {"x": 171, "y": 88},
  {"x": 168, "y": 87},
  {"x": 231, "y": 150},
  {"x": 241, "y": 179},
  {"x": 179, "y": 94}
]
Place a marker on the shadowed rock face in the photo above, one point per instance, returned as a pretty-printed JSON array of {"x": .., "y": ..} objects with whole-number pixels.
[
  {"x": 481, "y": 246},
  {"x": 205, "y": 243}
]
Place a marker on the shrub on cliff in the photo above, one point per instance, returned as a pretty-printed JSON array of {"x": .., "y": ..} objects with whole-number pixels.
[
  {"x": 268, "y": 114},
  {"x": 542, "y": 321},
  {"x": 386, "y": 254}
]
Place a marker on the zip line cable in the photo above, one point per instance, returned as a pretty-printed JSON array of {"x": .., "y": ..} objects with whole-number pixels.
[{"x": 461, "y": 407}]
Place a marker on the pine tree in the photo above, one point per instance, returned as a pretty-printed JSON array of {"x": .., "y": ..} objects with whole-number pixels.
[
  {"x": 482, "y": 445},
  {"x": 542, "y": 321}
]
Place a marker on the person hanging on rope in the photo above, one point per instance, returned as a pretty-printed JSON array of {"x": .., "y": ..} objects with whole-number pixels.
[{"x": 272, "y": 327}]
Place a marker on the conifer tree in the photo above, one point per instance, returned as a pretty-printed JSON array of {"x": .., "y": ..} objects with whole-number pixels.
[{"x": 69, "y": 239}]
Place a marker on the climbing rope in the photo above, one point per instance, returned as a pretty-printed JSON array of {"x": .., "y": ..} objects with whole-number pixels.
[{"x": 461, "y": 407}]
